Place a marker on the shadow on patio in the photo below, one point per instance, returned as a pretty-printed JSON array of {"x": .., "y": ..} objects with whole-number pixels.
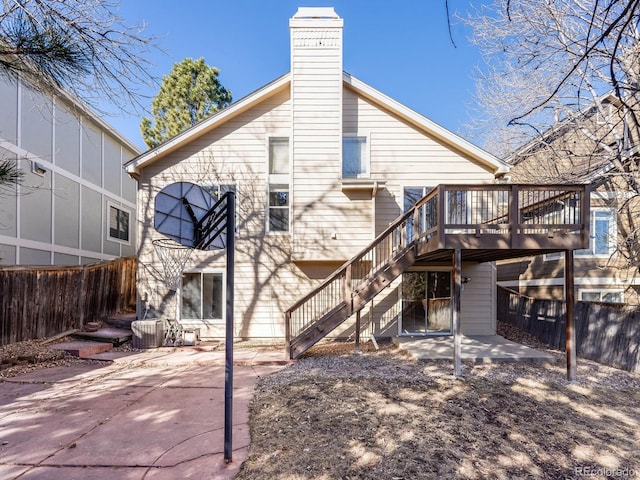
[{"x": 477, "y": 348}]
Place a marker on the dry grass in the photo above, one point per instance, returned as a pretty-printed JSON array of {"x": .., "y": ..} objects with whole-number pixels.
[{"x": 335, "y": 415}]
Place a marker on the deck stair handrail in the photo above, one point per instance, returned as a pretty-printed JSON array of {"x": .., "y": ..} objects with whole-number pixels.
[{"x": 506, "y": 210}]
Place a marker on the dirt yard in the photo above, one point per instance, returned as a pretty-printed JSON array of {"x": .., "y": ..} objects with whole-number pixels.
[{"x": 381, "y": 415}]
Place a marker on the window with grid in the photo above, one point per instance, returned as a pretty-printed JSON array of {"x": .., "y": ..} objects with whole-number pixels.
[{"x": 278, "y": 196}]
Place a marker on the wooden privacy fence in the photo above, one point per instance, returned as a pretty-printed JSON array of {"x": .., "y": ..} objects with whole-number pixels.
[
  {"x": 38, "y": 302},
  {"x": 608, "y": 333}
]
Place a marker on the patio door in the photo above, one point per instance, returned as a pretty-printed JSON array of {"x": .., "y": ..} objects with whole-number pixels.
[{"x": 425, "y": 302}]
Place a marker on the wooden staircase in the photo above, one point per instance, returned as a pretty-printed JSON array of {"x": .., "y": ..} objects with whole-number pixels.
[
  {"x": 354, "y": 284},
  {"x": 483, "y": 222}
]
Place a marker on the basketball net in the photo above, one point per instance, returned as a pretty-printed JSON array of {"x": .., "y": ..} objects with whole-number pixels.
[{"x": 174, "y": 257}]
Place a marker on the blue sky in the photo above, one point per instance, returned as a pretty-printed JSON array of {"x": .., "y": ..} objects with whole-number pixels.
[{"x": 401, "y": 48}]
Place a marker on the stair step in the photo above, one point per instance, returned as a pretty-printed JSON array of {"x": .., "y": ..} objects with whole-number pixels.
[
  {"x": 114, "y": 336},
  {"x": 121, "y": 320},
  {"x": 83, "y": 349}
]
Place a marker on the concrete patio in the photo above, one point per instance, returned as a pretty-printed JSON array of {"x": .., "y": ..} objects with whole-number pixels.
[
  {"x": 478, "y": 349},
  {"x": 155, "y": 414}
]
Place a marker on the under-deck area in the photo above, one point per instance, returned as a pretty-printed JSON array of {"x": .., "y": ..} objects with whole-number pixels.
[{"x": 450, "y": 225}]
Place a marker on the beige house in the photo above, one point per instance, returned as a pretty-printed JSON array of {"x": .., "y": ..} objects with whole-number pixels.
[
  {"x": 75, "y": 204},
  {"x": 321, "y": 164}
]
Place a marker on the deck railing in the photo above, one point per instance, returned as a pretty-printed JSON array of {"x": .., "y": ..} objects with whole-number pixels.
[{"x": 510, "y": 212}]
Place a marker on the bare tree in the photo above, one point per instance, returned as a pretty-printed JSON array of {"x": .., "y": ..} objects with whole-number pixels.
[
  {"x": 559, "y": 94},
  {"x": 82, "y": 46},
  {"x": 547, "y": 60}
]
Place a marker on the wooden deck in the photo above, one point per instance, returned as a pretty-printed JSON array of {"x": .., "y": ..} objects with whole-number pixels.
[{"x": 451, "y": 224}]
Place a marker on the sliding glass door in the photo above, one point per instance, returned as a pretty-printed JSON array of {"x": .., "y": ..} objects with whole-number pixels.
[{"x": 425, "y": 303}]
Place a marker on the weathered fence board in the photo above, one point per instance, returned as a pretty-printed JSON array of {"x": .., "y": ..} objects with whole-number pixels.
[
  {"x": 37, "y": 302},
  {"x": 608, "y": 333}
]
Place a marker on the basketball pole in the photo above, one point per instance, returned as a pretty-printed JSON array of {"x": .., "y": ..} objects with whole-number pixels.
[{"x": 228, "y": 368}]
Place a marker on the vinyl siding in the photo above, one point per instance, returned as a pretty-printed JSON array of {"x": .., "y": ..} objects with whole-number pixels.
[
  {"x": 477, "y": 302},
  {"x": 57, "y": 218},
  {"x": 325, "y": 225},
  {"x": 267, "y": 281}
]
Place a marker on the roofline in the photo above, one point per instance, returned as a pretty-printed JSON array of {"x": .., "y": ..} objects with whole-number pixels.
[
  {"x": 56, "y": 90},
  {"x": 99, "y": 120},
  {"x": 133, "y": 166},
  {"x": 609, "y": 96},
  {"x": 499, "y": 166}
]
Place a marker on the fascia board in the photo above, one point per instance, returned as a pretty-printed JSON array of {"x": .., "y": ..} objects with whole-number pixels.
[
  {"x": 134, "y": 166},
  {"x": 498, "y": 166}
]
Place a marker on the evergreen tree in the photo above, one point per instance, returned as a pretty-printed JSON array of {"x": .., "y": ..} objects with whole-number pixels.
[{"x": 190, "y": 93}]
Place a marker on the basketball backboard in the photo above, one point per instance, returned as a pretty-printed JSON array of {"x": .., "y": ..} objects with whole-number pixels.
[{"x": 191, "y": 216}]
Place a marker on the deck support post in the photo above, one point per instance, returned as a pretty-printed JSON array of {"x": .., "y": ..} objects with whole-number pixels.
[
  {"x": 457, "y": 290},
  {"x": 357, "y": 350},
  {"x": 570, "y": 326}
]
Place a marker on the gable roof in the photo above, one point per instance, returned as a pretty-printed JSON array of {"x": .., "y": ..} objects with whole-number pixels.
[
  {"x": 134, "y": 166},
  {"x": 585, "y": 167}
]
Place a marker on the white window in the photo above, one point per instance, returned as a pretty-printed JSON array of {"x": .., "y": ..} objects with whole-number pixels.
[
  {"x": 596, "y": 295},
  {"x": 202, "y": 296},
  {"x": 278, "y": 179},
  {"x": 602, "y": 242},
  {"x": 217, "y": 191},
  {"x": 119, "y": 228},
  {"x": 278, "y": 208},
  {"x": 355, "y": 157}
]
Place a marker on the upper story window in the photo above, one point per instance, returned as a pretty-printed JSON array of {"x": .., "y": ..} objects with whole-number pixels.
[
  {"x": 118, "y": 223},
  {"x": 278, "y": 178},
  {"x": 217, "y": 191},
  {"x": 355, "y": 157},
  {"x": 603, "y": 233}
]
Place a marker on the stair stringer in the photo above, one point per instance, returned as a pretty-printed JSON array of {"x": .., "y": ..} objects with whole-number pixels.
[{"x": 360, "y": 296}]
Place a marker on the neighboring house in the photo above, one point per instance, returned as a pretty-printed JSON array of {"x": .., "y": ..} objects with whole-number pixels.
[
  {"x": 76, "y": 205},
  {"x": 321, "y": 164},
  {"x": 580, "y": 150}
]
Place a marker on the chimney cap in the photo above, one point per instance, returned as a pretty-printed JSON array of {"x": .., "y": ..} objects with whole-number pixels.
[{"x": 315, "y": 13}]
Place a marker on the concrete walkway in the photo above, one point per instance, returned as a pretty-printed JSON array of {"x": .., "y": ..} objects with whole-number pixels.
[
  {"x": 479, "y": 349},
  {"x": 156, "y": 414}
]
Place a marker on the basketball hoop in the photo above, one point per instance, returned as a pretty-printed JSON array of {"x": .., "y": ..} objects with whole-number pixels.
[{"x": 174, "y": 257}]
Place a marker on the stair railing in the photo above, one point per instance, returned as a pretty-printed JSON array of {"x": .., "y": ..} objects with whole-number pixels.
[{"x": 337, "y": 291}]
